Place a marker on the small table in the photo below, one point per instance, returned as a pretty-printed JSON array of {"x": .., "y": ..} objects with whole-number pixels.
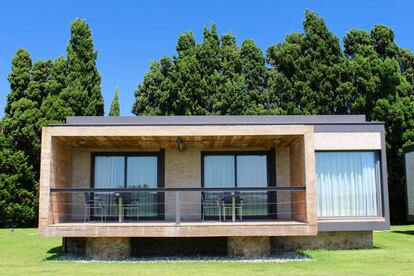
[{"x": 233, "y": 197}]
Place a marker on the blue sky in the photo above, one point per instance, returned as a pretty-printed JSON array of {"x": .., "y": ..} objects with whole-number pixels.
[{"x": 130, "y": 34}]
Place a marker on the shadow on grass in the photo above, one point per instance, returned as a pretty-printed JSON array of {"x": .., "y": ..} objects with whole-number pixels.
[
  {"x": 408, "y": 232},
  {"x": 55, "y": 252}
]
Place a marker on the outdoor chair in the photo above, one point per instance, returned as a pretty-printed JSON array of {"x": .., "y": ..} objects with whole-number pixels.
[
  {"x": 227, "y": 203},
  {"x": 210, "y": 204},
  {"x": 92, "y": 204},
  {"x": 131, "y": 205}
]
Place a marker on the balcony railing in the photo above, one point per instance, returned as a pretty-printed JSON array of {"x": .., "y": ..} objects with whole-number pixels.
[{"x": 177, "y": 205}]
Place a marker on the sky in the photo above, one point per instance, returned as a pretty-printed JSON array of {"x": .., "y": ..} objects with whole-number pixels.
[{"x": 128, "y": 35}]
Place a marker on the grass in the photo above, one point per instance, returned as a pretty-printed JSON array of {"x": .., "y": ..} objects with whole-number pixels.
[{"x": 23, "y": 252}]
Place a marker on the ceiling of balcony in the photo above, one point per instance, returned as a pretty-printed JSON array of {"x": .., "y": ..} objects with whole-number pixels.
[{"x": 203, "y": 142}]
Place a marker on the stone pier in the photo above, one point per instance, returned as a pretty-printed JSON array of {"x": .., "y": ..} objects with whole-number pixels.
[
  {"x": 248, "y": 247},
  {"x": 108, "y": 248}
]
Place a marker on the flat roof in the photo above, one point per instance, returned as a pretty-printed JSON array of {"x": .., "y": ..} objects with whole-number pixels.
[{"x": 215, "y": 120}]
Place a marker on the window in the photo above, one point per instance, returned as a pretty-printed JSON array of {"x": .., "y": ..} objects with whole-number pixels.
[
  {"x": 348, "y": 183},
  {"x": 231, "y": 170},
  {"x": 129, "y": 170}
]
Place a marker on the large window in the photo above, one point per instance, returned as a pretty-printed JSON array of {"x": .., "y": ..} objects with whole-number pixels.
[
  {"x": 348, "y": 183},
  {"x": 129, "y": 170},
  {"x": 231, "y": 170}
]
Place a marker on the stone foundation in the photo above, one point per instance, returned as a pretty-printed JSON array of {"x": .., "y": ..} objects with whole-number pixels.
[
  {"x": 242, "y": 247},
  {"x": 248, "y": 247},
  {"x": 324, "y": 240},
  {"x": 108, "y": 248}
]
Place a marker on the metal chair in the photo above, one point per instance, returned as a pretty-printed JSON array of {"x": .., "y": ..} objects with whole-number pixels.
[
  {"x": 227, "y": 203},
  {"x": 92, "y": 204},
  {"x": 132, "y": 204},
  {"x": 210, "y": 204}
]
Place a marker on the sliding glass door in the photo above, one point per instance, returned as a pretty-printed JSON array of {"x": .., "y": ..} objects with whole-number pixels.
[
  {"x": 143, "y": 173},
  {"x": 233, "y": 170},
  {"x": 127, "y": 170}
]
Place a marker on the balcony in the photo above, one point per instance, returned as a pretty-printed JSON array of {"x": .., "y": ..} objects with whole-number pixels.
[{"x": 173, "y": 211}]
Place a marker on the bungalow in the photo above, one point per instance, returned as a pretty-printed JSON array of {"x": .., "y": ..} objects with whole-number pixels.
[{"x": 241, "y": 185}]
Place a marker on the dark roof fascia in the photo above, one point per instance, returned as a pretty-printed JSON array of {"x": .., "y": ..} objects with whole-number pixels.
[
  {"x": 408, "y": 148},
  {"x": 217, "y": 120},
  {"x": 218, "y": 124}
]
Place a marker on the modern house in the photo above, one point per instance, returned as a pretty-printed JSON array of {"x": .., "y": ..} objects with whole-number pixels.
[
  {"x": 409, "y": 178},
  {"x": 248, "y": 185}
]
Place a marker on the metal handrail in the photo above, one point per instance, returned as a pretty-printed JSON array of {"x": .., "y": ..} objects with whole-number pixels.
[{"x": 238, "y": 189}]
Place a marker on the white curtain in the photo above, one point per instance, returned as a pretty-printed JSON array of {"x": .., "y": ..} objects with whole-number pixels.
[
  {"x": 251, "y": 171},
  {"x": 142, "y": 172},
  {"x": 219, "y": 171},
  {"x": 109, "y": 171},
  {"x": 346, "y": 184}
]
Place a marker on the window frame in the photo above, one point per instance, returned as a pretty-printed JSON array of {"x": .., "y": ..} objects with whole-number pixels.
[
  {"x": 160, "y": 155},
  {"x": 270, "y": 179},
  {"x": 378, "y": 184}
]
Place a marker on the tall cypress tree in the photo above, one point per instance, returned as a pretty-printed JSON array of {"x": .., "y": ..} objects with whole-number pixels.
[
  {"x": 45, "y": 93},
  {"x": 115, "y": 109},
  {"x": 18, "y": 163},
  {"x": 19, "y": 77},
  {"x": 83, "y": 91}
]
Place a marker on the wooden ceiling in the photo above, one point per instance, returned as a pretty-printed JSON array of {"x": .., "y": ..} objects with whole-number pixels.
[{"x": 156, "y": 142}]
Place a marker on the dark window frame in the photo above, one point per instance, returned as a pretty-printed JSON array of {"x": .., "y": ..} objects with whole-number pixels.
[
  {"x": 271, "y": 176},
  {"x": 160, "y": 176}
]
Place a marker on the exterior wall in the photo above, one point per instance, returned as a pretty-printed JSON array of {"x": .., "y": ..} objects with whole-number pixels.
[
  {"x": 325, "y": 240},
  {"x": 81, "y": 178},
  {"x": 183, "y": 170},
  {"x": 283, "y": 180},
  {"x": 347, "y": 141},
  {"x": 60, "y": 178},
  {"x": 355, "y": 137},
  {"x": 179, "y": 172},
  {"x": 298, "y": 178},
  {"x": 409, "y": 175}
]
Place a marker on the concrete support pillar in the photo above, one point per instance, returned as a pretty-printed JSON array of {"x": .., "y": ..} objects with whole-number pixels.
[
  {"x": 248, "y": 247},
  {"x": 108, "y": 248}
]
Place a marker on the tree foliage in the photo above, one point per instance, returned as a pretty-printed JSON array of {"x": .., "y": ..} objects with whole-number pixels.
[
  {"x": 212, "y": 77},
  {"x": 308, "y": 73},
  {"x": 115, "y": 109},
  {"x": 43, "y": 93},
  {"x": 83, "y": 91}
]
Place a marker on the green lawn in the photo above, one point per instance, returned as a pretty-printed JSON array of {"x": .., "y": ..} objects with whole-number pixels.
[{"x": 24, "y": 252}]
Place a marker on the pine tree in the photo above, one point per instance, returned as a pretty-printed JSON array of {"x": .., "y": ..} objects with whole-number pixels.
[
  {"x": 83, "y": 91},
  {"x": 115, "y": 110}
]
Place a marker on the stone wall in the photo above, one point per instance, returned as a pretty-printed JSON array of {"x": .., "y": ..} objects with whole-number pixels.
[
  {"x": 108, "y": 248},
  {"x": 240, "y": 247},
  {"x": 324, "y": 240},
  {"x": 248, "y": 247}
]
